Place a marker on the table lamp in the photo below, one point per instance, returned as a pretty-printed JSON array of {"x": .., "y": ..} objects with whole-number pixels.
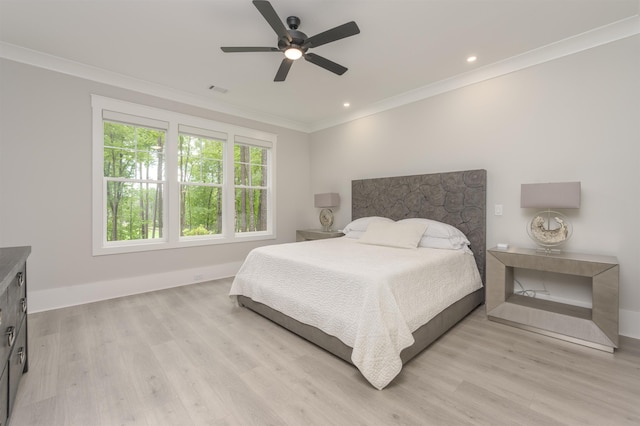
[{"x": 549, "y": 228}]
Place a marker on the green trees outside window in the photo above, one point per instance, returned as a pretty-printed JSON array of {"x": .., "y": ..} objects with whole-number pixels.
[
  {"x": 250, "y": 188},
  {"x": 134, "y": 165},
  {"x": 134, "y": 174},
  {"x": 200, "y": 165},
  {"x": 164, "y": 180}
]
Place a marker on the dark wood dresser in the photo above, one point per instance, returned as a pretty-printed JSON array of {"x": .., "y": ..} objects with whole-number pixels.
[{"x": 13, "y": 325}]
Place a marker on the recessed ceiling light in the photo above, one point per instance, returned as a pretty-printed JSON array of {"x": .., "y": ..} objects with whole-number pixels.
[
  {"x": 346, "y": 104},
  {"x": 472, "y": 58}
]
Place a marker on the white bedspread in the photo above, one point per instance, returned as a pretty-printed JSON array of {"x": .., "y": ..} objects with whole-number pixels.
[{"x": 370, "y": 297}]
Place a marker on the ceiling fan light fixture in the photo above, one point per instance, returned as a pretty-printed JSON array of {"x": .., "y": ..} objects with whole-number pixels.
[
  {"x": 293, "y": 53},
  {"x": 295, "y": 44}
]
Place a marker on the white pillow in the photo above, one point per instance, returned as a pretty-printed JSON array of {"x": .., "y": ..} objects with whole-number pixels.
[
  {"x": 358, "y": 226},
  {"x": 440, "y": 235},
  {"x": 354, "y": 234},
  {"x": 394, "y": 234},
  {"x": 441, "y": 243}
]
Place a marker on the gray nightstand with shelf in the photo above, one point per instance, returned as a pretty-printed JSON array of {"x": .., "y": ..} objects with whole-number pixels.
[
  {"x": 596, "y": 327},
  {"x": 316, "y": 234}
]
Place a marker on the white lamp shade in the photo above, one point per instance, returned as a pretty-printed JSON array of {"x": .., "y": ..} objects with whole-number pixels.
[
  {"x": 327, "y": 200},
  {"x": 562, "y": 195}
]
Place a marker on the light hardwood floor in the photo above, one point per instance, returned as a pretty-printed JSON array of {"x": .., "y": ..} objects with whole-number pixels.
[{"x": 187, "y": 356}]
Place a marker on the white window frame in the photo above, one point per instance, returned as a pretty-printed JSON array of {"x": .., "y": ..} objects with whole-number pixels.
[
  {"x": 247, "y": 141},
  {"x": 142, "y": 115}
]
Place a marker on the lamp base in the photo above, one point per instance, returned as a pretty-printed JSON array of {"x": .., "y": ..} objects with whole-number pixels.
[
  {"x": 549, "y": 229},
  {"x": 326, "y": 219}
]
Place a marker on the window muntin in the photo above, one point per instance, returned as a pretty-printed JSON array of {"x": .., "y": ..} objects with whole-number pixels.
[{"x": 175, "y": 178}]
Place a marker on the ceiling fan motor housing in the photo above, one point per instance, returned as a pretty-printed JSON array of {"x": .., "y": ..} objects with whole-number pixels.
[{"x": 297, "y": 40}]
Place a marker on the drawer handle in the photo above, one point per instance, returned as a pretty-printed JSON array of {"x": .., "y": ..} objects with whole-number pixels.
[
  {"x": 21, "y": 356},
  {"x": 20, "y": 279},
  {"x": 23, "y": 305},
  {"x": 11, "y": 335}
]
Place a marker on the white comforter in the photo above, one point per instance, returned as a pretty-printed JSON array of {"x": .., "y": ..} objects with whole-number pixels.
[{"x": 370, "y": 297}]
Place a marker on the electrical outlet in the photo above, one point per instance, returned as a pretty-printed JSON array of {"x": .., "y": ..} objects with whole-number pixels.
[{"x": 498, "y": 210}]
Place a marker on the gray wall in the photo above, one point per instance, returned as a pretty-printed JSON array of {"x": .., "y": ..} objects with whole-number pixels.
[
  {"x": 45, "y": 192},
  {"x": 572, "y": 119}
]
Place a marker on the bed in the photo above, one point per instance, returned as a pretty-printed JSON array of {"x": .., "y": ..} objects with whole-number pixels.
[{"x": 366, "y": 303}]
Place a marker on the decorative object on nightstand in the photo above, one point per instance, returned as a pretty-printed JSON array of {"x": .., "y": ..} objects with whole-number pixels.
[
  {"x": 549, "y": 228},
  {"x": 325, "y": 202}
]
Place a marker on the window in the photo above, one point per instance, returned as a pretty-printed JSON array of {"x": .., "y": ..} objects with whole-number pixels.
[
  {"x": 164, "y": 180},
  {"x": 134, "y": 179},
  {"x": 251, "y": 186},
  {"x": 200, "y": 175}
]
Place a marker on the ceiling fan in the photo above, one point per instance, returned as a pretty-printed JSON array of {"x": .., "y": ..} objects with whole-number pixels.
[{"x": 295, "y": 44}]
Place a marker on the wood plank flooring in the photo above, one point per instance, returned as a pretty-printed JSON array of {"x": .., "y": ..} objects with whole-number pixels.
[{"x": 187, "y": 356}]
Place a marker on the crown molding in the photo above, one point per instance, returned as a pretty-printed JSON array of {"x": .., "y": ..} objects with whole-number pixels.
[
  {"x": 588, "y": 40},
  {"x": 99, "y": 75}
]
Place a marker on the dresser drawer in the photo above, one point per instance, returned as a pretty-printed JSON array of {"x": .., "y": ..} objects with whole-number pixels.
[
  {"x": 7, "y": 319},
  {"x": 17, "y": 363},
  {"x": 13, "y": 303},
  {"x": 13, "y": 325},
  {"x": 17, "y": 298},
  {"x": 17, "y": 289},
  {"x": 4, "y": 394}
]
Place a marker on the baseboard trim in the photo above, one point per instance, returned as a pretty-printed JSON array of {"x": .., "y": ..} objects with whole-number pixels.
[
  {"x": 629, "y": 323},
  {"x": 62, "y": 297}
]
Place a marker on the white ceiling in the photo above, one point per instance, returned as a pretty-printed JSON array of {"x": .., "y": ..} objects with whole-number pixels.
[{"x": 172, "y": 48}]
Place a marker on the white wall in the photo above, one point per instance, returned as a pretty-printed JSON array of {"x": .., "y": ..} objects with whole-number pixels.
[
  {"x": 572, "y": 119},
  {"x": 45, "y": 193}
]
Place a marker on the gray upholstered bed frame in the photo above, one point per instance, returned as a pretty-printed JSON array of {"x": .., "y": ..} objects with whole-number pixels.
[{"x": 456, "y": 198}]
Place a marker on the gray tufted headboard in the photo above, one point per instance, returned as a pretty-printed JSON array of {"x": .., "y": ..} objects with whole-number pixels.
[{"x": 456, "y": 198}]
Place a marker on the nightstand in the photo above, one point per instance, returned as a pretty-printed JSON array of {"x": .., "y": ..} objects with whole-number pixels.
[
  {"x": 596, "y": 327},
  {"x": 316, "y": 234}
]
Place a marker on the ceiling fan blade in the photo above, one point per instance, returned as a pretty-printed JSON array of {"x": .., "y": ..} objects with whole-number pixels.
[
  {"x": 268, "y": 13},
  {"x": 249, "y": 49},
  {"x": 285, "y": 66},
  {"x": 337, "y": 33},
  {"x": 325, "y": 63}
]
